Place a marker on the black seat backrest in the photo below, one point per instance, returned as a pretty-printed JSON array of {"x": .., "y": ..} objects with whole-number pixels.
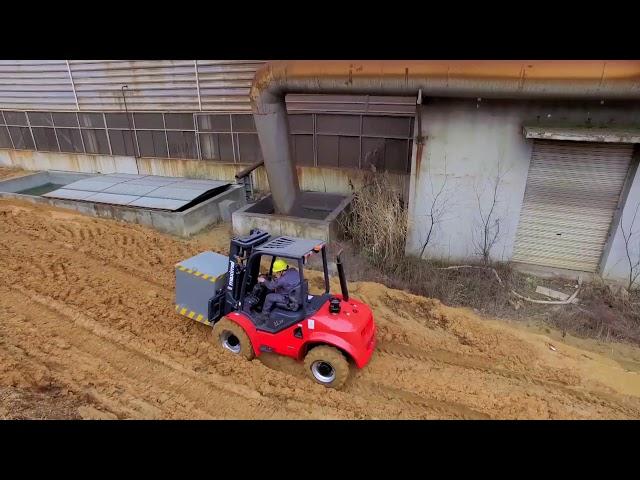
[
  {"x": 291, "y": 304},
  {"x": 296, "y": 297}
]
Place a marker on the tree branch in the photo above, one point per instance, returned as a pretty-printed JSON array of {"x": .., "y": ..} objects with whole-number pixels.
[
  {"x": 532, "y": 300},
  {"x": 549, "y": 302}
]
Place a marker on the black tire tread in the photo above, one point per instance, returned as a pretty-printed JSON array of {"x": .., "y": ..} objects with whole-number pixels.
[
  {"x": 246, "y": 349},
  {"x": 330, "y": 355}
]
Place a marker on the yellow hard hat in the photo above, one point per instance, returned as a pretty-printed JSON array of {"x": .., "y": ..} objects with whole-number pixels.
[{"x": 279, "y": 266}]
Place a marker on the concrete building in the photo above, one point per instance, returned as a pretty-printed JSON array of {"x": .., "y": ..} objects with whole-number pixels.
[
  {"x": 186, "y": 118},
  {"x": 551, "y": 177},
  {"x": 566, "y": 177}
]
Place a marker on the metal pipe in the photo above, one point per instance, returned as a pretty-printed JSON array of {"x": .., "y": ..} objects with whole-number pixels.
[
  {"x": 246, "y": 171},
  {"x": 273, "y": 132},
  {"x": 419, "y": 136},
  {"x": 325, "y": 269},
  {"x": 556, "y": 79},
  {"x": 131, "y": 130},
  {"x": 343, "y": 278}
]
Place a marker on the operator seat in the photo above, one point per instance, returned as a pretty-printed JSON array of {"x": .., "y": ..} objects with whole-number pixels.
[
  {"x": 293, "y": 299},
  {"x": 285, "y": 314}
]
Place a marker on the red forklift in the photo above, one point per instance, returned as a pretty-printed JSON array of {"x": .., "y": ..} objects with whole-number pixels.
[{"x": 327, "y": 331}]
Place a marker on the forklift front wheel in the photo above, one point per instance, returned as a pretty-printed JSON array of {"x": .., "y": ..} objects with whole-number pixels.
[
  {"x": 231, "y": 337},
  {"x": 327, "y": 366}
]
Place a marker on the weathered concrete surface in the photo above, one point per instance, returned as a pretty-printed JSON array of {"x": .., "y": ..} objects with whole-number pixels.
[
  {"x": 70, "y": 162},
  {"x": 260, "y": 215},
  {"x": 468, "y": 143},
  {"x": 31, "y": 181},
  {"x": 316, "y": 179},
  {"x": 227, "y": 207},
  {"x": 615, "y": 263}
]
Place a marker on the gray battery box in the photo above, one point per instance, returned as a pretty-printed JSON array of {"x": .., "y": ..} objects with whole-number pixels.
[{"x": 197, "y": 281}]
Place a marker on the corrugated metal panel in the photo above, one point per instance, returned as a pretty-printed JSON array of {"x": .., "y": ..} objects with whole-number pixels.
[
  {"x": 225, "y": 84},
  {"x": 35, "y": 84},
  {"x": 355, "y": 104},
  {"x": 138, "y": 190},
  {"x": 112, "y": 198},
  {"x": 162, "y": 85},
  {"x": 572, "y": 192},
  {"x": 72, "y": 194},
  {"x": 177, "y": 192},
  {"x": 153, "y": 85},
  {"x": 158, "y": 203},
  {"x": 127, "y": 188}
]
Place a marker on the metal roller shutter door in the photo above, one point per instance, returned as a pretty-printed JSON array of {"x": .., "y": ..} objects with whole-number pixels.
[{"x": 573, "y": 190}]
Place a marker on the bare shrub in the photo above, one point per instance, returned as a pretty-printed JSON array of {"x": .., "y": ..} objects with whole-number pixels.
[
  {"x": 487, "y": 232},
  {"x": 436, "y": 209},
  {"x": 378, "y": 221},
  {"x": 633, "y": 260},
  {"x": 601, "y": 314}
]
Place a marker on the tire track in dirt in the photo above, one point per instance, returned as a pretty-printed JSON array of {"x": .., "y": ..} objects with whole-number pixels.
[
  {"x": 36, "y": 291},
  {"x": 423, "y": 407},
  {"x": 402, "y": 352},
  {"x": 122, "y": 395},
  {"x": 99, "y": 311},
  {"x": 468, "y": 362}
]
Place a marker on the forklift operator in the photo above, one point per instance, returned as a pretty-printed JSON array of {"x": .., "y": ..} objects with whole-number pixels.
[{"x": 286, "y": 279}]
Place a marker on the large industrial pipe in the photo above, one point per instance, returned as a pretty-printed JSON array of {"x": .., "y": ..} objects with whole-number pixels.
[{"x": 556, "y": 79}]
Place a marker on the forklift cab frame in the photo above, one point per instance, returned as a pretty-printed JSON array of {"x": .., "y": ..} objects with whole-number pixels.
[{"x": 289, "y": 249}]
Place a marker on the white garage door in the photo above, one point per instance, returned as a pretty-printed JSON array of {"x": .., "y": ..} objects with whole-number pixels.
[{"x": 572, "y": 193}]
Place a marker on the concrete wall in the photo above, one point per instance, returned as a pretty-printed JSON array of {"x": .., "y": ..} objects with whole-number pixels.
[
  {"x": 33, "y": 180},
  {"x": 31, "y": 160},
  {"x": 185, "y": 223},
  {"x": 469, "y": 143},
  {"x": 316, "y": 179},
  {"x": 615, "y": 263},
  {"x": 72, "y": 162},
  {"x": 259, "y": 215}
]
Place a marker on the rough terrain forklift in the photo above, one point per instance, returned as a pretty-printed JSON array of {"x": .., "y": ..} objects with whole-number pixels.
[{"x": 326, "y": 331}]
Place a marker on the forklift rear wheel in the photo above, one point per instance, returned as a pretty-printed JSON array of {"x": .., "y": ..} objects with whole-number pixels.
[
  {"x": 232, "y": 337},
  {"x": 327, "y": 366}
]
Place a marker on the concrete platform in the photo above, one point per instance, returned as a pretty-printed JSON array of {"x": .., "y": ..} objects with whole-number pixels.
[
  {"x": 184, "y": 223},
  {"x": 318, "y": 217}
]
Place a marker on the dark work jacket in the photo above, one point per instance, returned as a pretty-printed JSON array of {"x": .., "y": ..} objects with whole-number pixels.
[{"x": 287, "y": 282}]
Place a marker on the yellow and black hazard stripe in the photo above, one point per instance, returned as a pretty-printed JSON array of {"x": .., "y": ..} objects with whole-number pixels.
[
  {"x": 198, "y": 317},
  {"x": 204, "y": 276}
]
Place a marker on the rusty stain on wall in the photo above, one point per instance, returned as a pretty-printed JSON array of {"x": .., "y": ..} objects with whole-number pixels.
[
  {"x": 68, "y": 162},
  {"x": 172, "y": 167},
  {"x": 317, "y": 179}
]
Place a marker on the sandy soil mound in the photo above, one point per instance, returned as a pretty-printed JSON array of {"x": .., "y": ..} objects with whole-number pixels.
[{"x": 87, "y": 320}]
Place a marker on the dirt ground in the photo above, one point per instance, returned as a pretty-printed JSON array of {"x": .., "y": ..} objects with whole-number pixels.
[
  {"x": 88, "y": 330},
  {"x": 10, "y": 172}
]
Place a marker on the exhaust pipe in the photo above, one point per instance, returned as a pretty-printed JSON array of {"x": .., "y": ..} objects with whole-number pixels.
[{"x": 343, "y": 279}]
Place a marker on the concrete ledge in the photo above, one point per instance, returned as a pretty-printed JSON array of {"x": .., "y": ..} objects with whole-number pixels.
[
  {"x": 184, "y": 223},
  {"x": 327, "y": 229},
  {"x": 33, "y": 180}
]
